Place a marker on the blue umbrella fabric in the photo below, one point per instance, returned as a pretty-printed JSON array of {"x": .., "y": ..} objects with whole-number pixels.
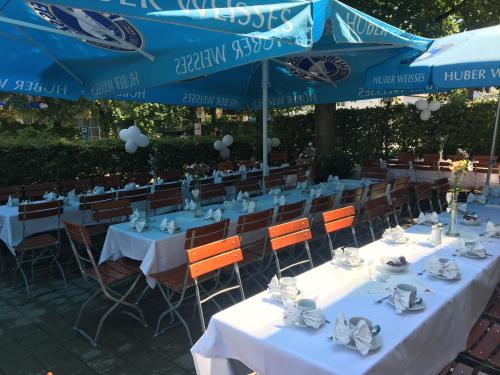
[
  {"x": 194, "y": 52},
  {"x": 468, "y": 59}
]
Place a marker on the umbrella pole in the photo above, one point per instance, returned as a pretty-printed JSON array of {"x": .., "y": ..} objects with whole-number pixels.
[
  {"x": 265, "y": 115},
  {"x": 493, "y": 144}
]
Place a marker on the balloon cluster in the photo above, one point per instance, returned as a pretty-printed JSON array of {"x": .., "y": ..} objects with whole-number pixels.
[
  {"x": 133, "y": 138},
  {"x": 426, "y": 108},
  {"x": 223, "y": 146},
  {"x": 272, "y": 143}
]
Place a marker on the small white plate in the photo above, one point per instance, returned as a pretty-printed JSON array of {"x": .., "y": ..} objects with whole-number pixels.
[
  {"x": 390, "y": 268},
  {"x": 471, "y": 223},
  {"x": 349, "y": 264},
  {"x": 415, "y": 307},
  {"x": 376, "y": 344}
]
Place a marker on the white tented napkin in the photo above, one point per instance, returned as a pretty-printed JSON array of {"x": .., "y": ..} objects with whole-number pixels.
[
  {"x": 140, "y": 225},
  {"x": 479, "y": 198},
  {"x": 428, "y": 218},
  {"x": 475, "y": 249},
  {"x": 401, "y": 300},
  {"x": 135, "y": 215},
  {"x": 361, "y": 336},
  {"x": 217, "y": 179},
  {"x": 332, "y": 178},
  {"x": 167, "y": 225},
  {"x": 159, "y": 181},
  {"x": 246, "y": 195},
  {"x": 492, "y": 230},
  {"x": 274, "y": 286},
  {"x": 282, "y": 200},
  {"x": 49, "y": 196},
  {"x": 396, "y": 234},
  {"x": 99, "y": 190},
  {"x": 130, "y": 186},
  {"x": 209, "y": 214},
  {"x": 239, "y": 197},
  {"x": 301, "y": 185},
  {"x": 251, "y": 207},
  {"x": 217, "y": 215},
  {"x": 243, "y": 168},
  {"x": 494, "y": 191},
  {"x": 462, "y": 207},
  {"x": 312, "y": 318},
  {"x": 447, "y": 269},
  {"x": 315, "y": 193},
  {"x": 195, "y": 193},
  {"x": 10, "y": 202}
]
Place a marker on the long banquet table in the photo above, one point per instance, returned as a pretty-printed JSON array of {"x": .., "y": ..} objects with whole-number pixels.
[
  {"x": 160, "y": 251},
  {"x": 252, "y": 332}
]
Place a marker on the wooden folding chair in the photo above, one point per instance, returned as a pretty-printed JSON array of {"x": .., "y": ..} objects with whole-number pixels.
[
  {"x": 175, "y": 185},
  {"x": 36, "y": 192},
  {"x": 376, "y": 173},
  {"x": 225, "y": 166},
  {"x": 399, "y": 199},
  {"x": 352, "y": 197},
  {"x": 337, "y": 220},
  {"x": 283, "y": 236},
  {"x": 174, "y": 283},
  {"x": 109, "y": 276},
  {"x": 111, "y": 211},
  {"x": 290, "y": 211},
  {"x": 399, "y": 183},
  {"x": 275, "y": 180},
  {"x": 165, "y": 199},
  {"x": 484, "y": 343},
  {"x": 86, "y": 202},
  {"x": 210, "y": 258},
  {"x": 79, "y": 186},
  {"x": 442, "y": 187},
  {"x": 319, "y": 205},
  {"x": 39, "y": 246},
  {"x": 377, "y": 190},
  {"x": 212, "y": 193},
  {"x": 423, "y": 192},
  {"x": 140, "y": 178},
  {"x": 250, "y": 185},
  {"x": 134, "y": 195},
  {"x": 169, "y": 175},
  {"x": 108, "y": 182},
  {"x": 10, "y": 191},
  {"x": 376, "y": 209}
]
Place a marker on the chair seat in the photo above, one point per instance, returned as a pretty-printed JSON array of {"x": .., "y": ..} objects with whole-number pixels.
[
  {"x": 113, "y": 272},
  {"x": 174, "y": 278},
  {"x": 40, "y": 241}
]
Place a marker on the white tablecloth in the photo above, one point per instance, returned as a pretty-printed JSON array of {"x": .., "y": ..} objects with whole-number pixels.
[
  {"x": 161, "y": 251},
  {"x": 412, "y": 343}
]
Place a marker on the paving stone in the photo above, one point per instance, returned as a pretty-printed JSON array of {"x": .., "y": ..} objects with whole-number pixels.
[{"x": 185, "y": 361}]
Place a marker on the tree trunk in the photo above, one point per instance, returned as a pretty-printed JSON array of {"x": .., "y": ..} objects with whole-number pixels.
[{"x": 324, "y": 126}]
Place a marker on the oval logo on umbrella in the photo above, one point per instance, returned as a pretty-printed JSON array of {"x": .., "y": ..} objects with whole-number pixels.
[
  {"x": 318, "y": 68},
  {"x": 115, "y": 31}
]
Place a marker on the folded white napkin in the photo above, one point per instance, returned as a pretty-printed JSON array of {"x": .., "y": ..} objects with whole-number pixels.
[
  {"x": 195, "y": 193},
  {"x": 462, "y": 207},
  {"x": 217, "y": 215},
  {"x": 49, "y": 196},
  {"x": 244, "y": 204},
  {"x": 274, "y": 285},
  {"x": 401, "y": 300},
  {"x": 479, "y": 198},
  {"x": 447, "y": 269},
  {"x": 449, "y": 196},
  {"x": 167, "y": 225},
  {"x": 217, "y": 179},
  {"x": 315, "y": 193},
  {"x": 396, "y": 234},
  {"x": 428, "y": 218},
  {"x": 72, "y": 194},
  {"x": 282, "y": 200},
  {"x": 130, "y": 186},
  {"x": 243, "y": 168},
  {"x": 475, "y": 249},
  {"x": 361, "y": 336},
  {"x": 159, "y": 181},
  {"x": 251, "y": 207},
  {"x": 135, "y": 215},
  {"x": 494, "y": 191},
  {"x": 301, "y": 185},
  {"x": 9, "y": 202},
  {"x": 246, "y": 195},
  {"x": 209, "y": 214},
  {"x": 239, "y": 197},
  {"x": 98, "y": 190},
  {"x": 140, "y": 225},
  {"x": 312, "y": 318},
  {"x": 492, "y": 230},
  {"x": 189, "y": 205},
  {"x": 332, "y": 178}
]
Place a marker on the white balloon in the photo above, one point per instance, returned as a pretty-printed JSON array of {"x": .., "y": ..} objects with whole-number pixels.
[
  {"x": 225, "y": 153},
  {"x": 422, "y": 104},
  {"x": 219, "y": 145},
  {"x": 123, "y": 135},
  {"x": 434, "y": 105},
  {"x": 228, "y": 140},
  {"x": 143, "y": 141},
  {"x": 275, "y": 142},
  {"x": 134, "y": 133},
  {"x": 425, "y": 115},
  {"x": 130, "y": 146}
]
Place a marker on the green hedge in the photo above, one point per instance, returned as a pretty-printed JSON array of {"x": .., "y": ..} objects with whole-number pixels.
[{"x": 23, "y": 163}]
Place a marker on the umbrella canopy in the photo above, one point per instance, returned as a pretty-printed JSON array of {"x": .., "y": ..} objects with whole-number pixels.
[
  {"x": 200, "y": 53},
  {"x": 468, "y": 59}
]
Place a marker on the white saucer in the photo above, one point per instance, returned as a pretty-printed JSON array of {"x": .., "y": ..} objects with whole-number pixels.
[
  {"x": 376, "y": 344},
  {"x": 347, "y": 264},
  {"x": 471, "y": 255},
  {"x": 471, "y": 223},
  {"x": 445, "y": 278},
  {"x": 415, "y": 307}
]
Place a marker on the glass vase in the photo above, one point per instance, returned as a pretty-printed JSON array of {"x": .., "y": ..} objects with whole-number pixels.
[{"x": 452, "y": 227}]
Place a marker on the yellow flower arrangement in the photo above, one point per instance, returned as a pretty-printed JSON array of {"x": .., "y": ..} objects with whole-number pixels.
[{"x": 459, "y": 166}]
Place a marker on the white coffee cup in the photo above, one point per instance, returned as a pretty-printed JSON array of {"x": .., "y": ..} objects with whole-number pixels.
[
  {"x": 404, "y": 288},
  {"x": 306, "y": 304}
]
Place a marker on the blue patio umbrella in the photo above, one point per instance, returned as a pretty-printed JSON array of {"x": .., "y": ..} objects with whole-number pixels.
[
  {"x": 219, "y": 53},
  {"x": 468, "y": 59}
]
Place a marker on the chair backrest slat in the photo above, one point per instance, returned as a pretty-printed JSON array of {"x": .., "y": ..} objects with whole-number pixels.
[
  {"x": 251, "y": 222},
  {"x": 215, "y": 263},
  {"x": 202, "y": 252},
  {"x": 33, "y": 211},
  {"x": 169, "y": 186},
  {"x": 250, "y": 184},
  {"x": 338, "y": 219},
  {"x": 290, "y": 239},
  {"x": 351, "y": 196},
  {"x": 111, "y": 209},
  {"x": 287, "y": 228},
  {"x": 209, "y": 191},
  {"x": 290, "y": 211},
  {"x": 321, "y": 204},
  {"x": 376, "y": 207},
  {"x": 108, "y": 182},
  {"x": 134, "y": 195},
  {"x": 165, "y": 198},
  {"x": 423, "y": 191},
  {"x": 87, "y": 200},
  {"x": 205, "y": 234}
]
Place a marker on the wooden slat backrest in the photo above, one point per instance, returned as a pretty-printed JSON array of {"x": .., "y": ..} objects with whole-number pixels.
[
  {"x": 87, "y": 200},
  {"x": 423, "y": 191},
  {"x": 257, "y": 174},
  {"x": 165, "y": 198},
  {"x": 251, "y": 222},
  {"x": 287, "y": 234},
  {"x": 169, "y": 174},
  {"x": 278, "y": 156},
  {"x": 225, "y": 166},
  {"x": 290, "y": 211},
  {"x": 338, "y": 219},
  {"x": 211, "y": 249},
  {"x": 351, "y": 196},
  {"x": 250, "y": 184},
  {"x": 374, "y": 172},
  {"x": 111, "y": 209},
  {"x": 397, "y": 164},
  {"x": 247, "y": 163},
  {"x": 212, "y": 190},
  {"x": 400, "y": 197},
  {"x": 433, "y": 158},
  {"x": 12, "y": 191},
  {"x": 33, "y": 211},
  {"x": 321, "y": 204},
  {"x": 205, "y": 234},
  {"x": 376, "y": 207},
  {"x": 140, "y": 178},
  {"x": 79, "y": 185},
  {"x": 274, "y": 180},
  {"x": 425, "y": 165},
  {"x": 169, "y": 186},
  {"x": 370, "y": 163},
  {"x": 484, "y": 158},
  {"x": 377, "y": 190},
  {"x": 231, "y": 179},
  {"x": 400, "y": 183},
  {"x": 483, "y": 167},
  {"x": 215, "y": 263},
  {"x": 78, "y": 233},
  {"x": 108, "y": 181},
  {"x": 134, "y": 195},
  {"x": 36, "y": 191},
  {"x": 406, "y": 156}
]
